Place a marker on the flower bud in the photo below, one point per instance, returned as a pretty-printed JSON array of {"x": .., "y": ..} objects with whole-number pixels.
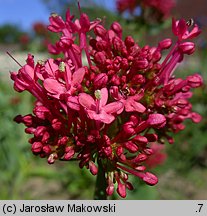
[
  {"x": 131, "y": 147},
  {"x": 118, "y": 44},
  {"x": 156, "y": 120},
  {"x": 187, "y": 48},
  {"x": 99, "y": 30},
  {"x": 121, "y": 190},
  {"x": 139, "y": 158},
  {"x": 196, "y": 118},
  {"x": 129, "y": 186},
  {"x": 101, "y": 45},
  {"x": 27, "y": 119},
  {"x": 107, "y": 140},
  {"x": 165, "y": 44},
  {"x": 84, "y": 22},
  {"x": 46, "y": 149},
  {"x": 129, "y": 41},
  {"x": 37, "y": 147},
  {"x": 63, "y": 140},
  {"x": 52, "y": 157},
  {"x": 128, "y": 129},
  {"x": 100, "y": 58},
  {"x": 56, "y": 124},
  {"x": 140, "y": 168},
  {"x": 195, "y": 80},
  {"x": 93, "y": 168},
  {"x": 42, "y": 112},
  {"x": 119, "y": 150},
  {"x": 150, "y": 179},
  {"x": 30, "y": 130},
  {"x": 156, "y": 56},
  {"x": 138, "y": 79},
  {"x": 151, "y": 137},
  {"x": 140, "y": 139},
  {"x": 148, "y": 151},
  {"x": 108, "y": 151},
  {"x": 45, "y": 137},
  {"x": 40, "y": 130},
  {"x": 116, "y": 27},
  {"x": 100, "y": 81},
  {"x": 115, "y": 80},
  {"x": 69, "y": 154},
  {"x": 65, "y": 42},
  {"x": 140, "y": 64},
  {"x": 110, "y": 189}
]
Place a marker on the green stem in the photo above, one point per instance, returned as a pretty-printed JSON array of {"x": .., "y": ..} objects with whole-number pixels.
[{"x": 100, "y": 189}]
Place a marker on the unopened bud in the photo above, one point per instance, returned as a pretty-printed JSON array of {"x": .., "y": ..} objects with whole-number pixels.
[
  {"x": 52, "y": 157},
  {"x": 100, "y": 80},
  {"x": 195, "y": 80},
  {"x": 131, "y": 147},
  {"x": 121, "y": 190},
  {"x": 116, "y": 27},
  {"x": 47, "y": 149},
  {"x": 187, "y": 48},
  {"x": 36, "y": 147},
  {"x": 69, "y": 154},
  {"x": 93, "y": 168},
  {"x": 140, "y": 63},
  {"x": 196, "y": 118},
  {"x": 150, "y": 178},
  {"x": 100, "y": 31},
  {"x": 165, "y": 44},
  {"x": 156, "y": 120},
  {"x": 110, "y": 189},
  {"x": 129, "y": 41},
  {"x": 100, "y": 58},
  {"x": 139, "y": 158}
]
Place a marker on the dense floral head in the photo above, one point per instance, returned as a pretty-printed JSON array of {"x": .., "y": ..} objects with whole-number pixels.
[{"x": 107, "y": 100}]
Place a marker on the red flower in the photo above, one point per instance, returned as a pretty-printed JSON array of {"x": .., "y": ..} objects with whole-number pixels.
[
  {"x": 98, "y": 109},
  {"x": 110, "y": 107},
  {"x": 180, "y": 29}
]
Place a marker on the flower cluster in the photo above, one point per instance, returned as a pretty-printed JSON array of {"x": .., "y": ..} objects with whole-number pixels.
[
  {"x": 158, "y": 9},
  {"x": 107, "y": 100}
]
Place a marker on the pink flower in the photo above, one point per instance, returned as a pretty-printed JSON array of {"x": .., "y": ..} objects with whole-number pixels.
[
  {"x": 98, "y": 109},
  {"x": 180, "y": 29},
  {"x": 131, "y": 103},
  {"x": 113, "y": 107},
  {"x": 57, "y": 85}
]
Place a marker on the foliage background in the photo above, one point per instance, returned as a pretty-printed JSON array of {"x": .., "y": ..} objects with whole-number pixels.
[{"x": 24, "y": 176}]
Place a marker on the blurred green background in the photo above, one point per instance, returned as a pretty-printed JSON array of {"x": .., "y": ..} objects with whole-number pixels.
[{"x": 24, "y": 176}]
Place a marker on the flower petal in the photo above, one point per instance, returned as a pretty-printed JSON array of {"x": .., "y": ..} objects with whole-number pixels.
[
  {"x": 73, "y": 103},
  {"x": 102, "y": 117},
  {"x": 133, "y": 106},
  {"x": 78, "y": 76},
  {"x": 156, "y": 120},
  {"x": 104, "y": 97},
  {"x": 54, "y": 87},
  {"x": 51, "y": 67},
  {"x": 114, "y": 107},
  {"x": 87, "y": 101}
]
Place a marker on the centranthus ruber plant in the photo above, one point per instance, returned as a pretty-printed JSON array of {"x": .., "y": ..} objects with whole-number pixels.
[{"x": 107, "y": 100}]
